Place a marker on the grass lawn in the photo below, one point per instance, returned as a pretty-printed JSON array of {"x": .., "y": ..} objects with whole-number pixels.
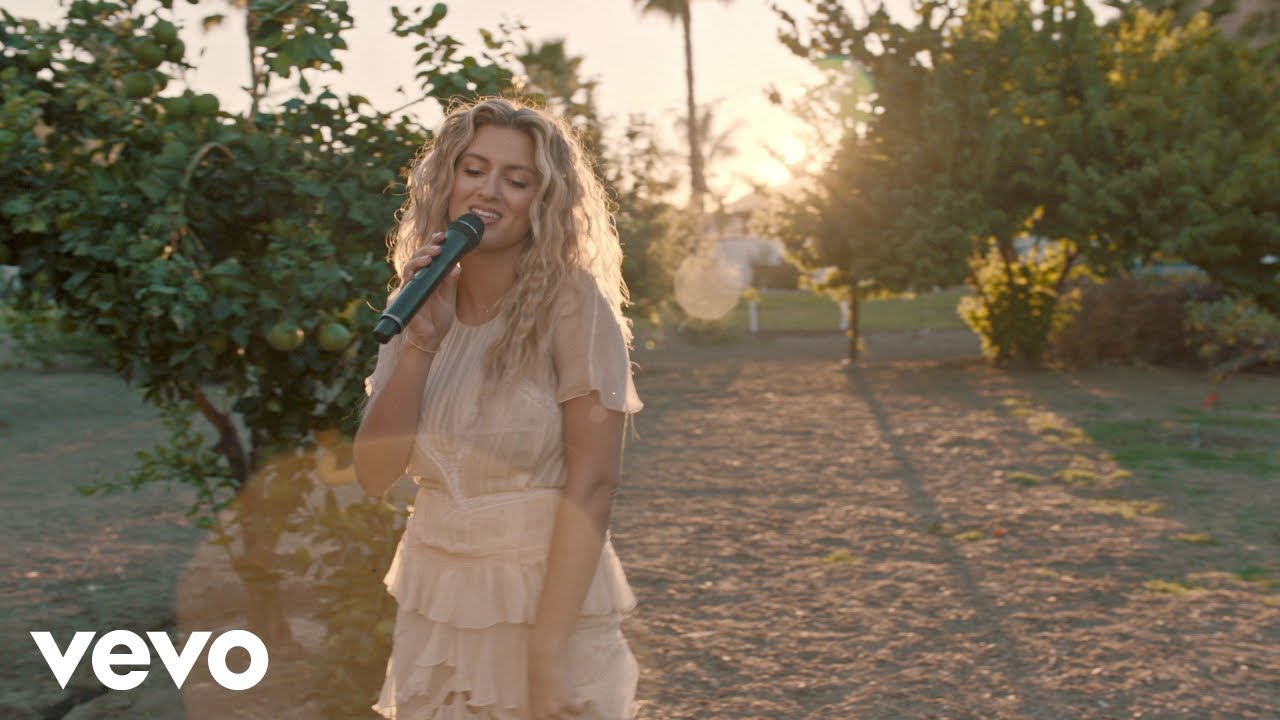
[
  {"x": 1138, "y": 442},
  {"x": 799, "y": 310},
  {"x": 1236, "y": 441},
  {"x": 932, "y": 311}
]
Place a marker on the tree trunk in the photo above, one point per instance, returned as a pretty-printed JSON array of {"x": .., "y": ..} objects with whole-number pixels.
[
  {"x": 255, "y": 77},
  {"x": 854, "y": 334},
  {"x": 697, "y": 181},
  {"x": 259, "y": 533},
  {"x": 260, "y": 536}
]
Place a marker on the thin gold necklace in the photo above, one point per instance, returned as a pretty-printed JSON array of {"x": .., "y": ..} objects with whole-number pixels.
[{"x": 487, "y": 310}]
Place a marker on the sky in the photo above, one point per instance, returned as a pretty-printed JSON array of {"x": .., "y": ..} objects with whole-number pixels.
[{"x": 638, "y": 60}]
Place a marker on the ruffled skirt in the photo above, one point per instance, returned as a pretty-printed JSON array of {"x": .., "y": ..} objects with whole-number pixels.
[{"x": 467, "y": 577}]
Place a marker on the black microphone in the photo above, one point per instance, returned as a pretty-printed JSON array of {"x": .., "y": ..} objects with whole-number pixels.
[{"x": 460, "y": 238}]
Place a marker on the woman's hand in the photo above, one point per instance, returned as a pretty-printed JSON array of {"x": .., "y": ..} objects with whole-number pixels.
[
  {"x": 550, "y": 693},
  {"x": 428, "y": 326}
]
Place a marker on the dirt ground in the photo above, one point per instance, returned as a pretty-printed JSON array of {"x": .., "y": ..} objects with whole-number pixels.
[{"x": 919, "y": 536}]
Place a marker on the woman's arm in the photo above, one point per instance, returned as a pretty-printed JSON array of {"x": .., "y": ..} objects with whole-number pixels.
[
  {"x": 593, "y": 461},
  {"x": 382, "y": 444}
]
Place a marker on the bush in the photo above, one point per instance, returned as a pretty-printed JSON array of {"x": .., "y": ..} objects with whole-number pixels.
[
  {"x": 1235, "y": 334},
  {"x": 1016, "y": 305},
  {"x": 1126, "y": 320},
  {"x": 37, "y": 335}
]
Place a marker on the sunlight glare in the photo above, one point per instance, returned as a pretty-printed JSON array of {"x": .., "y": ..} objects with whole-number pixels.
[
  {"x": 707, "y": 286},
  {"x": 774, "y": 168}
]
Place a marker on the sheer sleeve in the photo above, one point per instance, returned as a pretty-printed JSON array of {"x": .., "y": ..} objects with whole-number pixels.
[
  {"x": 590, "y": 351},
  {"x": 387, "y": 354}
]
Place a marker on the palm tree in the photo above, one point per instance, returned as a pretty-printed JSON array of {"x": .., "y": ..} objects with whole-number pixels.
[
  {"x": 715, "y": 145},
  {"x": 680, "y": 10}
]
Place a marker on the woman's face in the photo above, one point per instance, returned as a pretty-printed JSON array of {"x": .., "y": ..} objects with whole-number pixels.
[{"x": 496, "y": 178}]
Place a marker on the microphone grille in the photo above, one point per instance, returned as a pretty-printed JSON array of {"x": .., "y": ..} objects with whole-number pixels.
[{"x": 470, "y": 225}]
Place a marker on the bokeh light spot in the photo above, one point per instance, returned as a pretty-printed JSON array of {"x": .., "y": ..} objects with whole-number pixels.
[{"x": 708, "y": 286}]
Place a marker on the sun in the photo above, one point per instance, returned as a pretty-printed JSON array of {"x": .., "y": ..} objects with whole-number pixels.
[{"x": 774, "y": 164}]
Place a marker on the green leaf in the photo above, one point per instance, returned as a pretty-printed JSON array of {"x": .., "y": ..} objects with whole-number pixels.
[
  {"x": 20, "y": 205},
  {"x": 154, "y": 188}
]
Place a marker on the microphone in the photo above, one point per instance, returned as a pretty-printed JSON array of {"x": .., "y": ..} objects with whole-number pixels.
[{"x": 460, "y": 238}]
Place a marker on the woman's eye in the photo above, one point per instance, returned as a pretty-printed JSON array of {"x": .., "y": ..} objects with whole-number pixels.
[
  {"x": 518, "y": 184},
  {"x": 471, "y": 172}
]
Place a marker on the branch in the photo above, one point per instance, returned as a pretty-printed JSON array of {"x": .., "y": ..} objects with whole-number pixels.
[
  {"x": 255, "y": 95},
  {"x": 228, "y": 439},
  {"x": 409, "y": 104},
  {"x": 1066, "y": 268},
  {"x": 185, "y": 188}
]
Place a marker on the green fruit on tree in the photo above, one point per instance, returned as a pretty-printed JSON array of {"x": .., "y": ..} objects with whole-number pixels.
[
  {"x": 39, "y": 58},
  {"x": 205, "y": 105},
  {"x": 285, "y": 336},
  {"x": 138, "y": 84},
  {"x": 176, "y": 51},
  {"x": 149, "y": 54},
  {"x": 179, "y": 108},
  {"x": 164, "y": 32},
  {"x": 334, "y": 337}
]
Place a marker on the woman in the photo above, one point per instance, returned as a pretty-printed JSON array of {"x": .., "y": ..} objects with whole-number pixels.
[{"x": 506, "y": 398}]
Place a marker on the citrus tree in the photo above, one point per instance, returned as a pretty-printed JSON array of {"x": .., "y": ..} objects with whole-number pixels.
[{"x": 231, "y": 261}]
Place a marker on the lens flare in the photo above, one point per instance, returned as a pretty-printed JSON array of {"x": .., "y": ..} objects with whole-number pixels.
[{"x": 708, "y": 286}]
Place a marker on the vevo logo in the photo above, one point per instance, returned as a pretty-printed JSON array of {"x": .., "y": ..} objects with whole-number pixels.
[{"x": 105, "y": 657}]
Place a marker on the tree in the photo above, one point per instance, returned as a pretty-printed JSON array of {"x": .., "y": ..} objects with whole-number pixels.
[
  {"x": 655, "y": 235},
  {"x": 681, "y": 10},
  {"x": 553, "y": 78},
  {"x": 231, "y": 262},
  {"x": 1001, "y": 122},
  {"x": 633, "y": 165},
  {"x": 1196, "y": 172},
  {"x": 957, "y": 158},
  {"x": 867, "y": 214},
  {"x": 716, "y": 144}
]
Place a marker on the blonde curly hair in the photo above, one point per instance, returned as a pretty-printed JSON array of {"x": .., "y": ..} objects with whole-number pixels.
[{"x": 571, "y": 227}]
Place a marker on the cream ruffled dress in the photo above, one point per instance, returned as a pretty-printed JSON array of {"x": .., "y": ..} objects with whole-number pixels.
[{"x": 468, "y": 571}]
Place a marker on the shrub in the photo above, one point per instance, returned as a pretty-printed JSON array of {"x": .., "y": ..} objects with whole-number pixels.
[
  {"x": 1234, "y": 334},
  {"x": 35, "y": 334},
  {"x": 1016, "y": 305},
  {"x": 1125, "y": 320}
]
